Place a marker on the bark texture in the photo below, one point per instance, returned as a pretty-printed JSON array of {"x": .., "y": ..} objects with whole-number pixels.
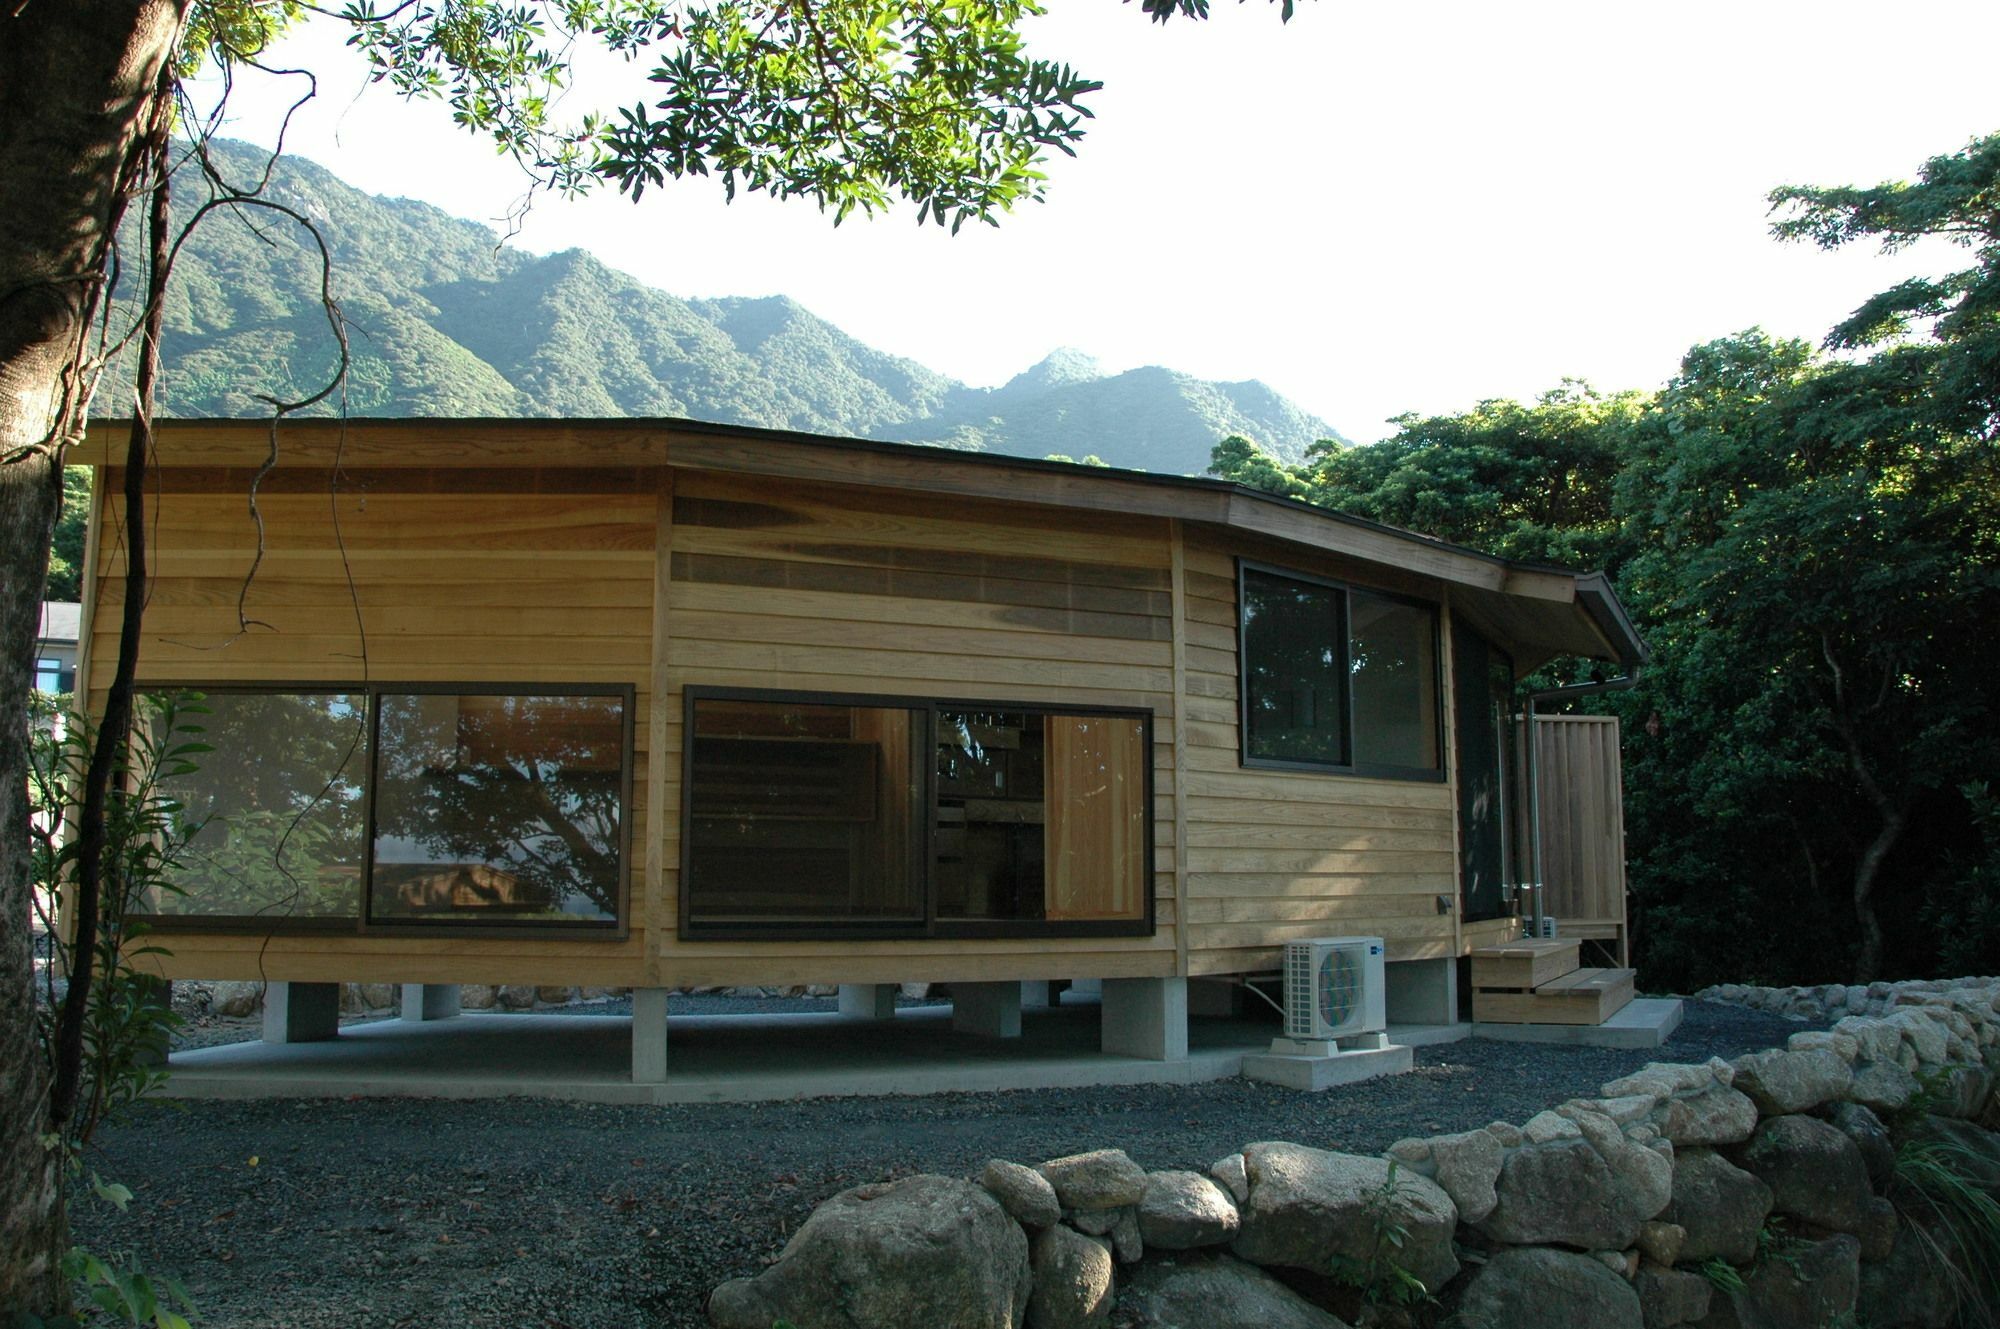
[{"x": 77, "y": 81}]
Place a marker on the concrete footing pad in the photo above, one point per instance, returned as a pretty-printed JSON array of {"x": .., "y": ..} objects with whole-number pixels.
[
  {"x": 1646, "y": 1022},
  {"x": 1316, "y": 1073}
]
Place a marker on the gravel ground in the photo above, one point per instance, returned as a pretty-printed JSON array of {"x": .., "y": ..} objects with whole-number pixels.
[{"x": 525, "y": 1214}]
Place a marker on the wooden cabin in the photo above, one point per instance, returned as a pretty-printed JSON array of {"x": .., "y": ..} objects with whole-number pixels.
[{"x": 665, "y": 704}]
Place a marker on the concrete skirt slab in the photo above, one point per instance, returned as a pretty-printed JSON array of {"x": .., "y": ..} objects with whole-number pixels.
[
  {"x": 1646, "y": 1022},
  {"x": 710, "y": 1058}
]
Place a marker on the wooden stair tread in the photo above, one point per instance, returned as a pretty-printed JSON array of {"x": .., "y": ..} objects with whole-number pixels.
[
  {"x": 1525, "y": 949},
  {"x": 1524, "y": 966},
  {"x": 1587, "y": 980}
]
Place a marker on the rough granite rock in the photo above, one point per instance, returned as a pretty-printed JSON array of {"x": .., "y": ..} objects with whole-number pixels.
[
  {"x": 1127, "y": 1243},
  {"x": 1883, "y": 1086},
  {"x": 1095, "y": 1222},
  {"x": 237, "y": 999},
  {"x": 1466, "y": 1165},
  {"x": 1924, "y": 1035},
  {"x": 926, "y": 1250},
  {"x": 1229, "y": 1171},
  {"x": 1962, "y": 1092},
  {"x": 1671, "y": 1297},
  {"x": 1815, "y": 1172},
  {"x": 517, "y": 997},
  {"x": 1591, "y": 1192},
  {"x": 1100, "y": 1179},
  {"x": 1023, "y": 1192},
  {"x": 1908, "y": 1290},
  {"x": 1781, "y": 1082},
  {"x": 1661, "y": 1242},
  {"x": 1072, "y": 1281},
  {"x": 1326, "y": 1212},
  {"x": 1871, "y": 1137},
  {"x": 1718, "y": 1205},
  {"x": 1814, "y": 1286},
  {"x": 1695, "y": 1104},
  {"x": 1183, "y": 1210},
  {"x": 477, "y": 996},
  {"x": 1213, "y": 1291},
  {"x": 1534, "y": 1287}
]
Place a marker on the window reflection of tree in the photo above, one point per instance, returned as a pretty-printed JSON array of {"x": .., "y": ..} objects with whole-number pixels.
[
  {"x": 499, "y": 804},
  {"x": 278, "y": 800}
]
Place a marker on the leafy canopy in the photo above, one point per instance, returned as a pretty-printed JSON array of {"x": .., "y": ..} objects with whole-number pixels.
[{"x": 852, "y": 104}]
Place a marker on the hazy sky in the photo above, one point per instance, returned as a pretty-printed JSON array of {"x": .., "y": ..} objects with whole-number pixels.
[{"x": 1377, "y": 208}]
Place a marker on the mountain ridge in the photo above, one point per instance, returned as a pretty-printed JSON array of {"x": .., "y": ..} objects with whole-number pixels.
[{"x": 444, "y": 319}]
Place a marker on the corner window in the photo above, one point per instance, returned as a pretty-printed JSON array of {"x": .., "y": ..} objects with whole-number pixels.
[
  {"x": 385, "y": 808},
  {"x": 51, "y": 676},
  {"x": 1337, "y": 679},
  {"x": 869, "y": 817}
]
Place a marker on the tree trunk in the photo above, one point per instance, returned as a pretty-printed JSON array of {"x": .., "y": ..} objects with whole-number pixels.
[
  {"x": 77, "y": 81},
  {"x": 1868, "y": 963}
]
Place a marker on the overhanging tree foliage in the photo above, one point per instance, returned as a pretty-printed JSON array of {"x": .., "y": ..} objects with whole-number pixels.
[
  {"x": 850, "y": 103},
  {"x": 1811, "y": 545}
]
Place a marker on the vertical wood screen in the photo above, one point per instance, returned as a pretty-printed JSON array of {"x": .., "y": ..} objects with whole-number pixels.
[
  {"x": 1581, "y": 790},
  {"x": 1095, "y": 842}
]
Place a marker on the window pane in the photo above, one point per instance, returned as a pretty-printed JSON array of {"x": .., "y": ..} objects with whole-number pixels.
[
  {"x": 1040, "y": 817},
  {"x": 48, "y": 676},
  {"x": 1293, "y": 662},
  {"x": 498, "y": 808},
  {"x": 802, "y": 813},
  {"x": 1393, "y": 652},
  {"x": 278, "y": 803}
]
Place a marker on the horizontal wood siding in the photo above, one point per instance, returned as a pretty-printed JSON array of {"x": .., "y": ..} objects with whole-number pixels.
[
  {"x": 474, "y": 584},
  {"x": 874, "y": 592},
  {"x": 1278, "y": 855}
]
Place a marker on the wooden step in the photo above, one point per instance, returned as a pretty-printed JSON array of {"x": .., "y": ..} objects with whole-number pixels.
[
  {"x": 1522, "y": 966},
  {"x": 1584, "y": 996}
]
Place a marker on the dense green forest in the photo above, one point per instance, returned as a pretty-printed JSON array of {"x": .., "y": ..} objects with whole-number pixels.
[
  {"x": 445, "y": 320},
  {"x": 1809, "y": 539}
]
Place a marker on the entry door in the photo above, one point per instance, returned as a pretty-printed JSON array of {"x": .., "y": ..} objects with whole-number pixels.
[{"x": 1482, "y": 687}]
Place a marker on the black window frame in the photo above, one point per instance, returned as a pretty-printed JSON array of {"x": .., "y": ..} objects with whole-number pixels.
[
  {"x": 924, "y": 735},
  {"x": 613, "y": 929},
  {"x": 1345, "y": 590}
]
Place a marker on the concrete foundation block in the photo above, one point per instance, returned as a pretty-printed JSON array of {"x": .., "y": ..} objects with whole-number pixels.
[
  {"x": 989, "y": 1009},
  {"x": 1214, "y": 996},
  {"x": 1423, "y": 992},
  {"x": 430, "y": 1001},
  {"x": 649, "y": 1035},
  {"x": 1316, "y": 1073},
  {"x": 1036, "y": 994},
  {"x": 301, "y": 1012},
  {"x": 1145, "y": 1017},
  {"x": 868, "y": 1001}
]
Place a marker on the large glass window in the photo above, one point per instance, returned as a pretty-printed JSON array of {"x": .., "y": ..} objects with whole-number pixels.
[
  {"x": 805, "y": 814},
  {"x": 498, "y": 808},
  {"x": 1336, "y": 678},
  {"x": 277, "y": 806},
  {"x": 914, "y": 819},
  {"x": 1040, "y": 817},
  {"x": 402, "y": 808}
]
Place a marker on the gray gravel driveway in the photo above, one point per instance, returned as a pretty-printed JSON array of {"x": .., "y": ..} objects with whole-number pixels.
[{"x": 528, "y": 1214}]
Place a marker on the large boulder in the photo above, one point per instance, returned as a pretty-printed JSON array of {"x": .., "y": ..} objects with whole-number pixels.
[
  {"x": 1580, "y": 1182},
  {"x": 1718, "y": 1206},
  {"x": 1335, "y": 1214},
  {"x": 1782, "y": 1081},
  {"x": 1072, "y": 1288},
  {"x": 1915, "y": 1287},
  {"x": 1816, "y": 1174},
  {"x": 1694, "y": 1104},
  {"x": 1212, "y": 1291},
  {"x": 1183, "y": 1210},
  {"x": 925, "y": 1250},
  {"x": 1023, "y": 1192},
  {"x": 1671, "y": 1297},
  {"x": 1810, "y": 1286},
  {"x": 1533, "y": 1287},
  {"x": 1466, "y": 1165},
  {"x": 1871, "y": 1137},
  {"x": 1100, "y": 1179}
]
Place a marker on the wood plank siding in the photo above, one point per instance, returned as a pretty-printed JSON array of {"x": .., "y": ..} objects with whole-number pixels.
[
  {"x": 664, "y": 558},
  {"x": 1275, "y": 855}
]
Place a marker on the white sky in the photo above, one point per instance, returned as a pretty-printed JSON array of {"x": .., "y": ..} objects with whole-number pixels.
[{"x": 1378, "y": 208}]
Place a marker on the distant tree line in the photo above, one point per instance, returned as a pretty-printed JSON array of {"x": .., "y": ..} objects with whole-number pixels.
[{"x": 1809, "y": 539}]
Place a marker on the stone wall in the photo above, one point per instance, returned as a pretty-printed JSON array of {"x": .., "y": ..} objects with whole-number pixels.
[
  {"x": 1760, "y": 1192},
  {"x": 1831, "y": 1001}
]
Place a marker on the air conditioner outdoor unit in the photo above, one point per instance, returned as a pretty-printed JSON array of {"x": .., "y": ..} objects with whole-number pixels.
[{"x": 1334, "y": 988}]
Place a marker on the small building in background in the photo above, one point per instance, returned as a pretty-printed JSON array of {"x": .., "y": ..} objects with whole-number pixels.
[{"x": 55, "y": 646}]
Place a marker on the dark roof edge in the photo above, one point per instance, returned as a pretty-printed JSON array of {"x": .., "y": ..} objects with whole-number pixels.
[
  {"x": 1203, "y": 483},
  {"x": 1600, "y": 601}
]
